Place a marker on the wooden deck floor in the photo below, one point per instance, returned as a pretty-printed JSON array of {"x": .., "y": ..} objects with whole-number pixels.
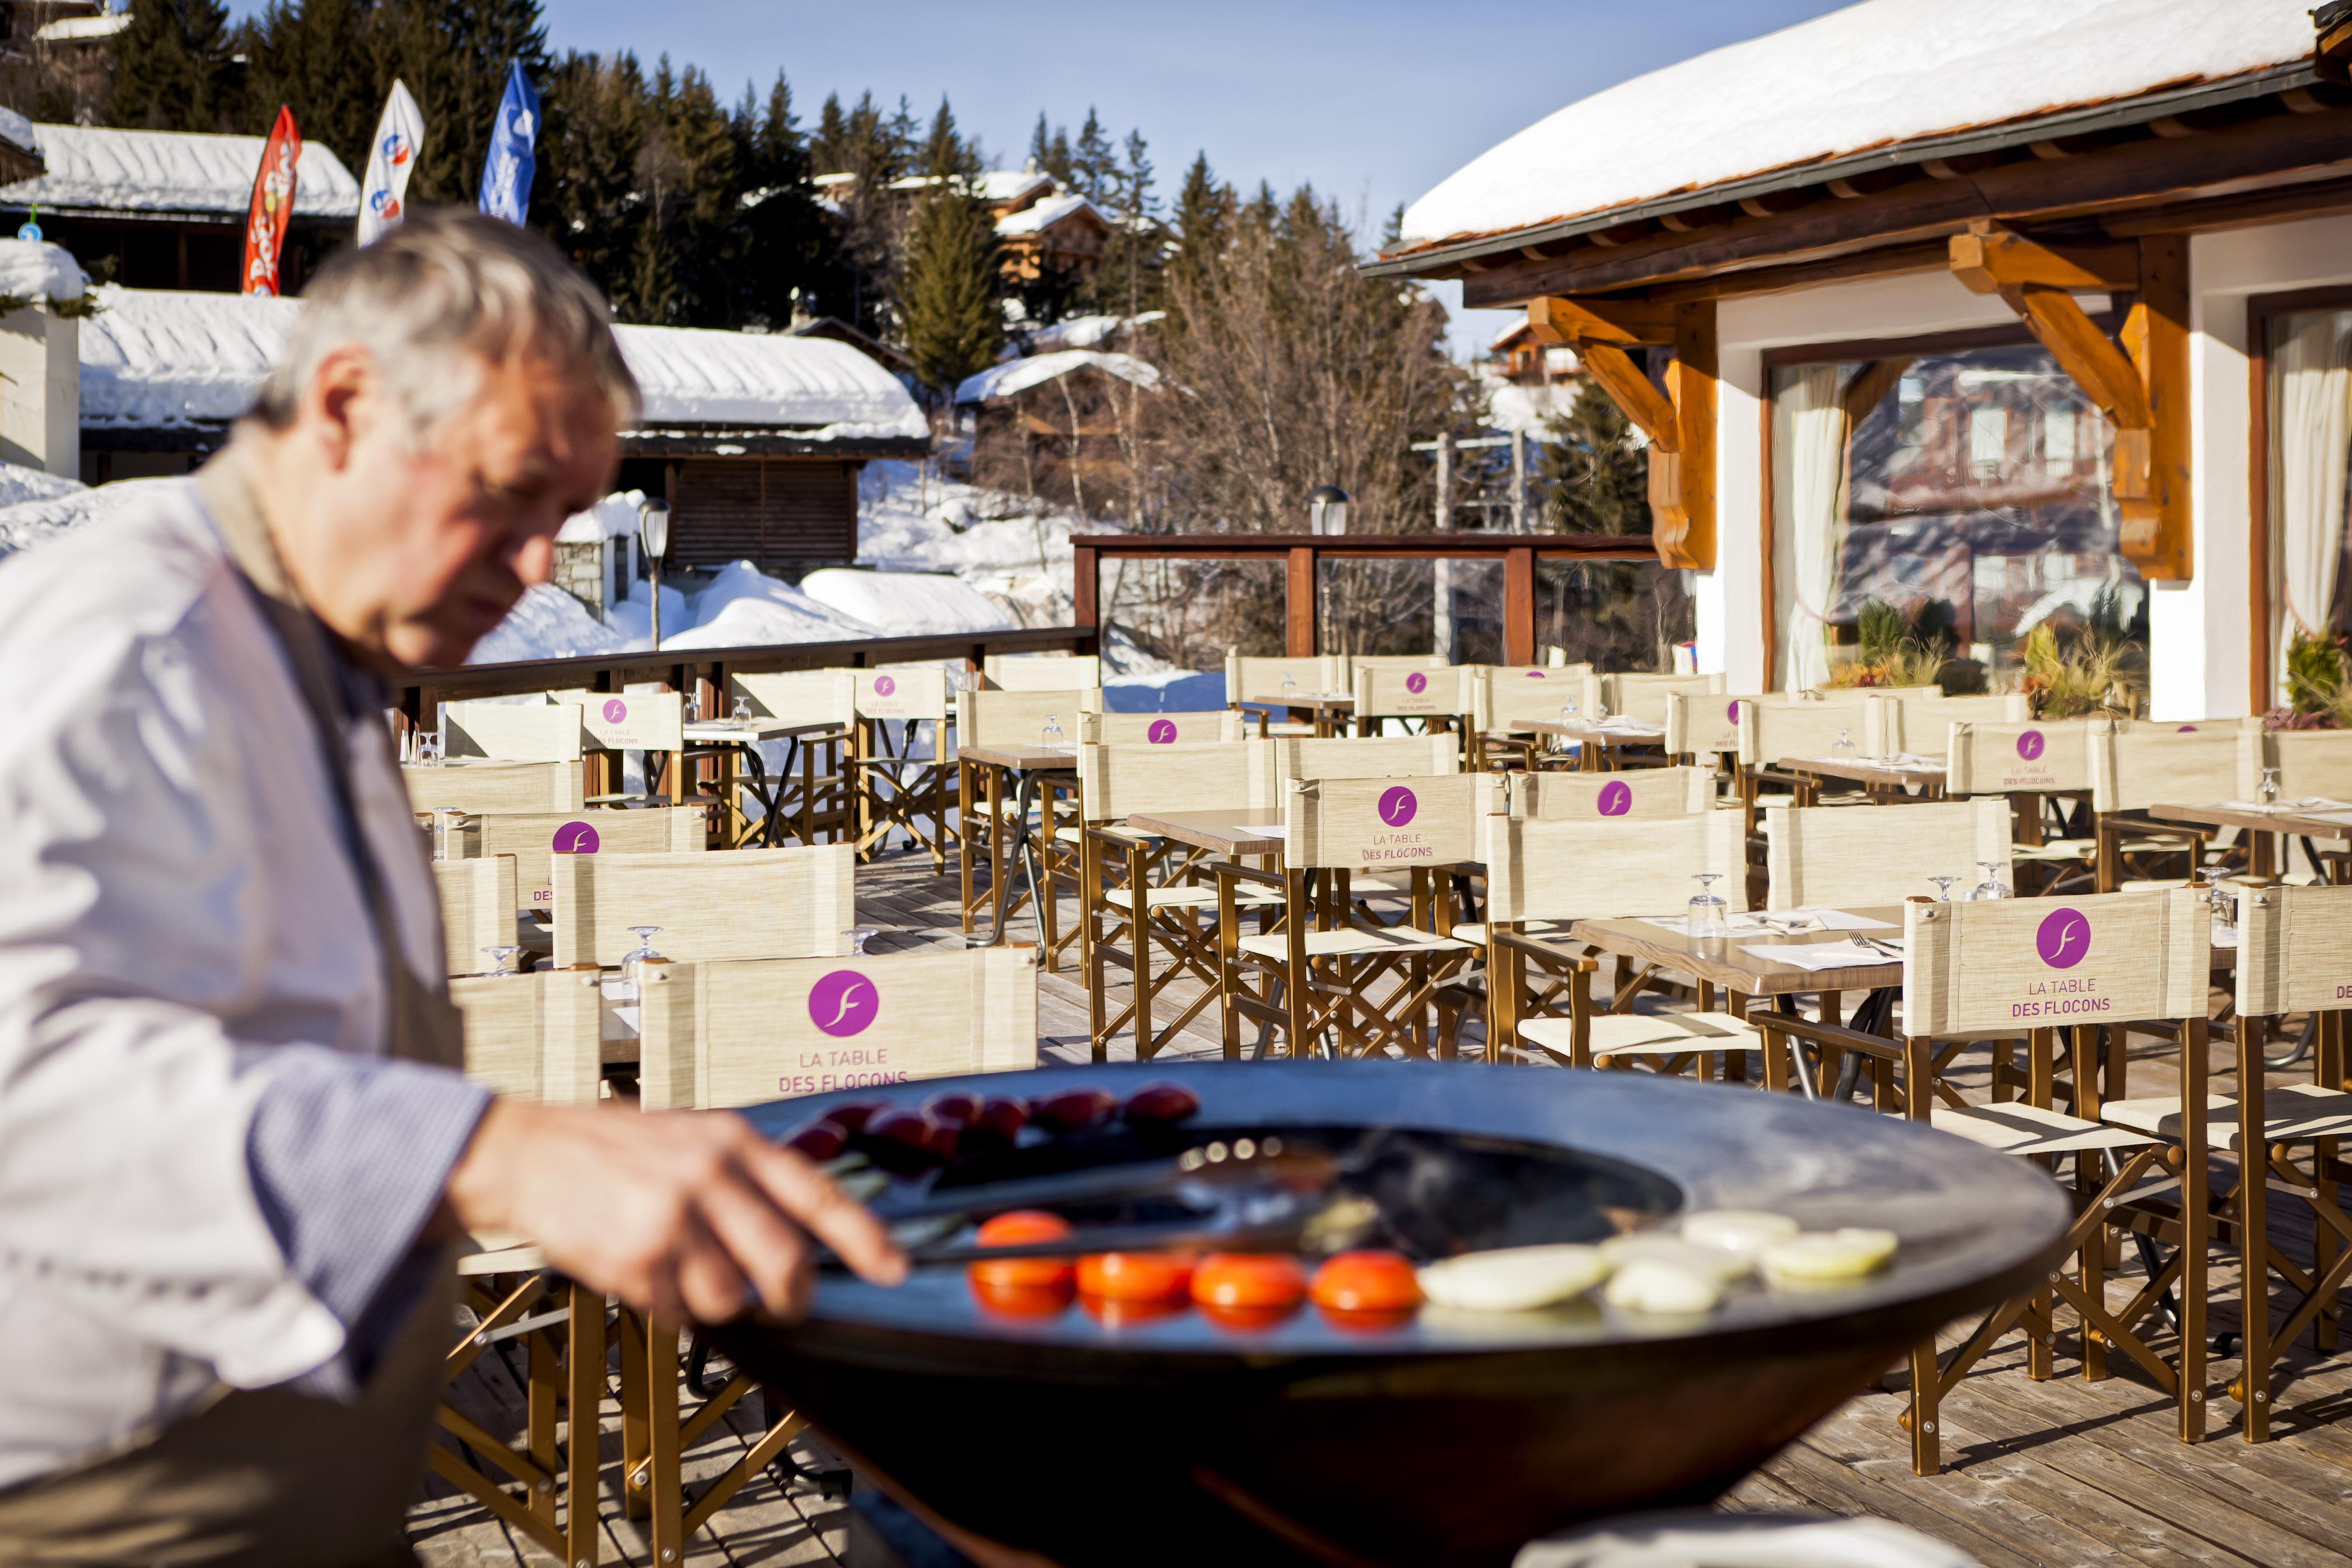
[{"x": 2062, "y": 1473}]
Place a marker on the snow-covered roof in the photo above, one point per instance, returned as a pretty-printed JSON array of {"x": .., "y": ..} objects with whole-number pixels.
[
  {"x": 16, "y": 129},
  {"x": 83, "y": 29},
  {"x": 1016, "y": 377},
  {"x": 1882, "y": 72},
  {"x": 1012, "y": 184},
  {"x": 93, "y": 168},
  {"x": 36, "y": 269},
  {"x": 1087, "y": 332},
  {"x": 1046, "y": 214},
  {"x": 157, "y": 357}
]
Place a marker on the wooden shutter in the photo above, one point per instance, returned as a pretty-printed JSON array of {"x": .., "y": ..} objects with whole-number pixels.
[{"x": 782, "y": 512}]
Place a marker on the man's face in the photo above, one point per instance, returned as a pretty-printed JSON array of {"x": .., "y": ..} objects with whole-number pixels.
[{"x": 427, "y": 545}]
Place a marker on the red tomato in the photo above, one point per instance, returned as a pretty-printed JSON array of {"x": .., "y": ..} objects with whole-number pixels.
[
  {"x": 1365, "y": 1322},
  {"x": 820, "y": 1140},
  {"x": 1160, "y": 1104},
  {"x": 1073, "y": 1110},
  {"x": 1136, "y": 1276},
  {"x": 1366, "y": 1282},
  {"x": 858, "y": 1113},
  {"x": 957, "y": 1109},
  {"x": 908, "y": 1140},
  {"x": 1023, "y": 1273},
  {"x": 1246, "y": 1320},
  {"x": 1247, "y": 1279},
  {"x": 1018, "y": 1301},
  {"x": 1114, "y": 1314}
]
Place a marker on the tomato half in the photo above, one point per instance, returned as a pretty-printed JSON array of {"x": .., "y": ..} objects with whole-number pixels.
[
  {"x": 1246, "y": 1280},
  {"x": 1366, "y": 1282},
  {"x": 1136, "y": 1276},
  {"x": 1020, "y": 1226}
]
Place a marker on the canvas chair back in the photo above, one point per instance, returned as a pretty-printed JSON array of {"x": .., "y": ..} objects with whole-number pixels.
[
  {"x": 1430, "y": 691},
  {"x": 1922, "y": 723},
  {"x": 798, "y": 696},
  {"x": 912, "y": 692},
  {"x": 2294, "y": 949},
  {"x": 535, "y": 731},
  {"x": 1635, "y": 695},
  {"x": 1703, "y": 723},
  {"x": 1831, "y": 857},
  {"x": 1382, "y": 824},
  {"x": 495, "y": 786},
  {"x": 1373, "y": 757},
  {"x": 1161, "y": 729},
  {"x": 718, "y": 1035},
  {"x": 1506, "y": 696},
  {"x": 477, "y": 909},
  {"x": 2007, "y": 966},
  {"x": 2147, "y": 765},
  {"x": 724, "y": 904},
  {"x": 1041, "y": 671},
  {"x": 1260, "y": 679},
  {"x": 1010, "y": 720},
  {"x": 1351, "y": 665},
  {"x": 630, "y": 721},
  {"x": 1771, "y": 727},
  {"x": 1598, "y": 797},
  {"x": 2311, "y": 763},
  {"x": 534, "y": 839},
  {"x": 1567, "y": 868},
  {"x": 1116, "y": 781},
  {"x": 534, "y": 1037},
  {"x": 2031, "y": 758}
]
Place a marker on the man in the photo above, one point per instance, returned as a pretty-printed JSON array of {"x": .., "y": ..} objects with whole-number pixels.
[{"x": 232, "y": 1152}]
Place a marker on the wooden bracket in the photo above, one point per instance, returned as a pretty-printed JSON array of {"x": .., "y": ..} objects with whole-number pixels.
[
  {"x": 2141, "y": 385},
  {"x": 1678, "y": 423}
]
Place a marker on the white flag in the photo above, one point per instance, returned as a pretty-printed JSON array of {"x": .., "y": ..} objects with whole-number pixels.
[{"x": 391, "y": 157}]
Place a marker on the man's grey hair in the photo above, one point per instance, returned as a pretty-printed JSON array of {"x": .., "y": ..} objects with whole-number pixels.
[{"x": 433, "y": 299}]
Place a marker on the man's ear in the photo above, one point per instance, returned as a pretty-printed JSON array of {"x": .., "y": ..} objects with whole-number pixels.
[{"x": 343, "y": 400}]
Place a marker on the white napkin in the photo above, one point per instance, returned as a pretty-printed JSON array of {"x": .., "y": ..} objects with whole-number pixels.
[
  {"x": 1259, "y": 829},
  {"x": 2305, "y": 805},
  {"x": 1846, "y": 954},
  {"x": 1782, "y": 922}
]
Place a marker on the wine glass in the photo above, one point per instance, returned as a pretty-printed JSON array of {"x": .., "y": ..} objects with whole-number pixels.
[
  {"x": 1943, "y": 887},
  {"x": 448, "y": 823},
  {"x": 694, "y": 707},
  {"x": 742, "y": 714},
  {"x": 2268, "y": 792},
  {"x": 633, "y": 964},
  {"x": 2220, "y": 900},
  {"x": 1053, "y": 741},
  {"x": 429, "y": 748},
  {"x": 1992, "y": 886},
  {"x": 1843, "y": 747},
  {"x": 1289, "y": 685},
  {"x": 1600, "y": 712},
  {"x": 858, "y": 937},
  {"x": 501, "y": 956},
  {"x": 1709, "y": 921}
]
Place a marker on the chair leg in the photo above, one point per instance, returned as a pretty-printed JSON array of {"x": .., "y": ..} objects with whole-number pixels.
[
  {"x": 2195, "y": 1224},
  {"x": 583, "y": 1397},
  {"x": 2253, "y": 1388},
  {"x": 1926, "y": 1402}
]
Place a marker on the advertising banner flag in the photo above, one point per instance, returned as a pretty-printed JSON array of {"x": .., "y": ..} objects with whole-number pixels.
[
  {"x": 392, "y": 158},
  {"x": 506, "y": 173},
  {"x": 272, "y": 207}
]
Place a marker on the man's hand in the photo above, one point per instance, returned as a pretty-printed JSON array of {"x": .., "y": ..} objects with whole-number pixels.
[{"x": 682, "y": 1213}]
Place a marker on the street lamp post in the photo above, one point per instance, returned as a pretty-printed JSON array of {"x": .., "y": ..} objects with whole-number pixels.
[{"x": 653, "y": 535}]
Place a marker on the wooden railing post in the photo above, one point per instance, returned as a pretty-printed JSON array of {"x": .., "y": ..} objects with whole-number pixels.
[
  {"x": 1298, "y": 605},
  {"x": 1085, "y": 585},
  {"x": 1519, "y": 605}
]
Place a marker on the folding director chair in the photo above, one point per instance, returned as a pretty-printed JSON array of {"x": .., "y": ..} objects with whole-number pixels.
[
  {"x": 1505, "y": 696},
  {"x": 534, "y": 838},
  {"x": 534, "y": 731},
  {"x": 479, "y": 787},
  {"x": 1159, "y": 728},
  {"x": 2137, "y": 766},
  {"x": 722, "y": 904},
  {"x": 1921, "y": 720},
  {"x": 1594, "y": 797},
  {"x": 1634, "y": 694},
  {"x": 813, "y": 792},
  {"x": 2034, "y": 763},
  {"x": 1544, "y": 873},
  {"x": 731, "y": 1033},
  {"x": 1042, "y": 672},
  {"x": 991, "y": 819},
  {"x": 1137, "y": 893},
  {"x": 2312, "y": 764},
  {"x": 614, "y": 724},
  {"x": 894, "y": 784},
  {"x": 1436, "y": 695},
  {"x": 1704, "y": 727},
  {"x": 1317, "y": 974},
  {"x": 2121, "y": 962},
  {"x": 1826, "y": 858},
  {"x": 1250, "y": 679},
  {"x": 1776, "y": 728},
  {"x": 477, "y": 909},
  {"x": 1339, "y": 757}
]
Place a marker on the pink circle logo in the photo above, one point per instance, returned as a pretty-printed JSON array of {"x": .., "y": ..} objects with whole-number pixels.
[
  {"x": 2029, "y": 745},
  {"x": 1535, "y": 675},
  {"x": 576, "y": 839},
  {"x": 1732, "y": 713},
  {"x": 844, "y": 1003},
  {"x": 2186, "y": 730},
  {"x": 1416, "y": 683},
  {"x": 2064, "y": 939},
  {"x": 1616, "y": 799},
  {"x": 615, "y": 710},
  {"x": 1162, "y": 731},
  {"x": 884, "y": 686},
  {"x": 1396, "y": 805}
]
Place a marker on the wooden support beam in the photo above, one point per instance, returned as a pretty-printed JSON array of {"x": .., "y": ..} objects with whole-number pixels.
[
  {"x": 1520, "y": 606},
  {"x": 1552, "y": 319},
  {"x": 1684, "y": 529},
  {"x": 1632, "y": 391},
  {"x": 1989, "y": 258},
  {"x": 1299, "y": 606},
  {"x": 2084, "y": 353},
  {"x": 2155, "y": 532}
]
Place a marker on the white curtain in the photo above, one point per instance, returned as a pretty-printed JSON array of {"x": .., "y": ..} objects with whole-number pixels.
[
  {"x": 1808, "y": 515},
  {"x": 2311, "y": 441}
]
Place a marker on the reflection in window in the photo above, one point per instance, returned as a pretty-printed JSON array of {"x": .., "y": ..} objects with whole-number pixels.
[
  {"x": 2311, "y": 452},
  {"x": 1968, "y": 490}
]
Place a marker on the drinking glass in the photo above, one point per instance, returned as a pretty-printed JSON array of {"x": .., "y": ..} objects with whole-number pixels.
[
  {"x": 1709, "y": 923},
  {"x": 742, "y": 711},
  {"x": 1052, "y": 732},
  {"x": 1992, "y": 886},
  {"x": 633, "y": 964},
  {"x": 500, "y": 957},
  {"x": 447, "y": 822},
  {"x": 429, "y": 748},
  {"x": 1843, "y": 747},
  {"x": 858, "y": 937},
  {"x": 2268, "y": 792},
  {"x": 1943, "y": 887},
  {"x": 694, "y": 708},
  {"x": 1599, "y": 713},
  {"x": 1289, "y": 685},
  {"x": 2220, "y": 900}
]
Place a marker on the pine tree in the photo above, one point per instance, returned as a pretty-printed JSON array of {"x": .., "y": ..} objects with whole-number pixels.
[
  {"x": 1203, "y": 224},
  {"x": 1041, "y": 145},
  {"x": 322, "y": 59},
  {"x": 1128, "y": 280},
  {"x": 174, "y": 69},
  {"x": 789, "y": 241},
  {"x": 454, "y": 56},
  {"x": 1094, "y": 166},
  {"x": 586, "y": 195},
  {"x": 946, "y": 154},
  {"x": 829, "y": 146},
  {"x": 1599, "y": 480},
  {"x": 947, "y": 301}
]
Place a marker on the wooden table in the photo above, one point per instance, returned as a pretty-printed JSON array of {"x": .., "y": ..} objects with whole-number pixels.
[
  {"x": 734, "y": 744},
  {"x": 1882, "y": 777},
  {"x": 1232, "y": 834},
  {"x": 1325, "y": 706},
  {"x": 2263, "y": 829},
  {"x": 1598, "y": 745},
  {"x": 1032, "y": 768}
]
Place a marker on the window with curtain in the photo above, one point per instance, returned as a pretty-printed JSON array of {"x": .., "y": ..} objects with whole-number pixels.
[
  {"x": 1966, "y": 490},
  {"x": 2310, "y": 396}
]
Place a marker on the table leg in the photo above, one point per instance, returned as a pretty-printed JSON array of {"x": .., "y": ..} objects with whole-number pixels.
[
  {"x": 2262, "y": 856},
  {"x": 964, "y": 838},
  {"x": 996, "y": 868}
]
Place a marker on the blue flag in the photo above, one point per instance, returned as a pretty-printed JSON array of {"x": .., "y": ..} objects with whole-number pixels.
[{"x": 506, "y": 173}]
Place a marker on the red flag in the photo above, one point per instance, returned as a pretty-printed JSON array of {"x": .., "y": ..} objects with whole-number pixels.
[{"x": 273, "y": 205}]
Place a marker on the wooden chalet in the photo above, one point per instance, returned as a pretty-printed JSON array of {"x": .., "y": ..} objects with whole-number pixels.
[
  {"x": 1040, "y": 228},
  {"x": 1986, "y": 312},
  {"x": 1058, "y": 424}
]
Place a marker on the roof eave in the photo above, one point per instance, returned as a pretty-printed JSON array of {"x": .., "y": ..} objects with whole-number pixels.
[{"x": 2112, "y": 114}]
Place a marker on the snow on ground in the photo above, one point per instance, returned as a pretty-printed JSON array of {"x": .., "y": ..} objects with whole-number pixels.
[
  {"x": 742, "y": 608},
  {"x": 34, "y": 506},
  {"x": 548, "y": 624},
  {"x": 997, "y": 544},
  {"x": 907, "y": 603}
]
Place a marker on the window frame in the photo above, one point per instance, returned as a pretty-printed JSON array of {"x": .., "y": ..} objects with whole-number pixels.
[{"x": 2261, "y": 309}]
